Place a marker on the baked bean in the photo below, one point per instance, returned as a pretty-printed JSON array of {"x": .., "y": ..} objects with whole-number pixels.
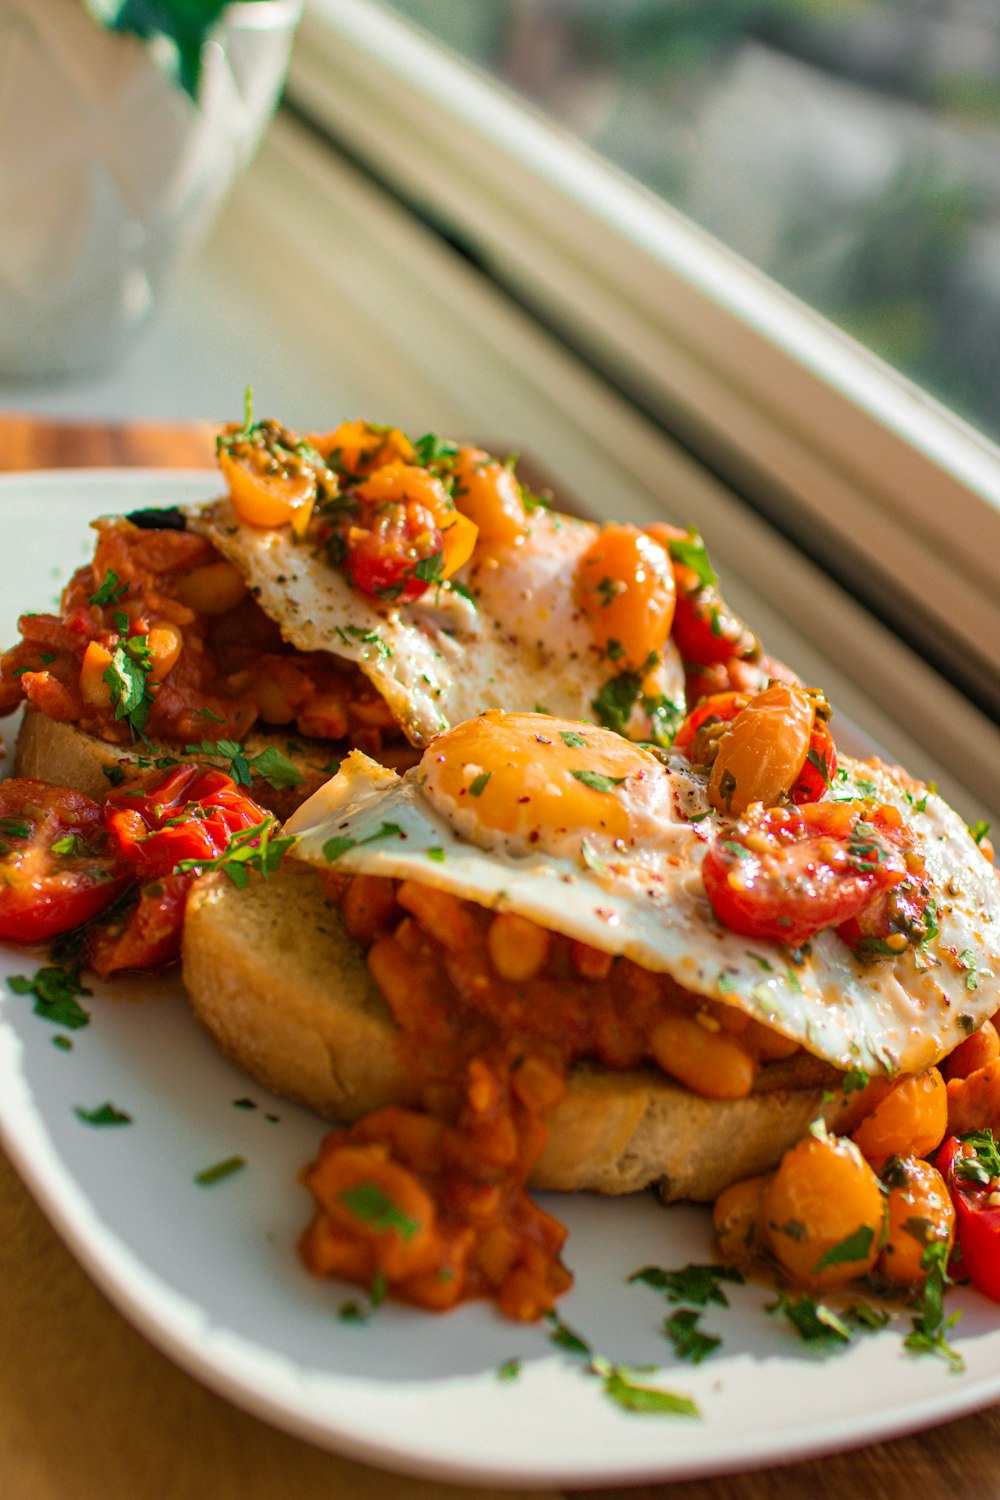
[
  {"x": 711, "y": 1063},
  {"x": 518, "y": 948},
  {"x": 440, "y": 914},
  {"x": 590, "y": 963},
  {"x": 368, "y": 907},
  {"x": 213, "y": 589}
]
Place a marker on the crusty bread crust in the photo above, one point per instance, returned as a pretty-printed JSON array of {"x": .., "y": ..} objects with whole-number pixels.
[
  {"x": 272, "y": 974},
  {"x": 66, "y": 755}
]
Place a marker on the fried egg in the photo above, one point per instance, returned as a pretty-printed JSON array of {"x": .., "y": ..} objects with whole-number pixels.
[
  {"x": 510, "y": 636},
  {"x": 597, "y": 839}
]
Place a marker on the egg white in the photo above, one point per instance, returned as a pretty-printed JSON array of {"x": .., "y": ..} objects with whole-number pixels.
[
  {"x": 892, "y": 1015},
  {"x": 516, "y": 641}
]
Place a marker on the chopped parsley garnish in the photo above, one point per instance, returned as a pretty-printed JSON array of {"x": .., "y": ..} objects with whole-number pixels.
[
  {"x": 55, "y": 989},
  {"x": 430, "y": 569},
  {"x": 853, "y": 1247},
  {"x": 509, "y": 1370},
  {"x": 462, "y": 591},
  {"x": 269, "y": 765},
  {"x": 980, "y": 830},
  {"x": 564, "y": 1337},
  {"x": 681, "y": 1328},
  {"x": 571, "y": 738},
  {"x": 368, "y": 1203},
  {"x": 984, "y": 1165},
  {"x": 110, "y": 590},
  {"x": 436, "y": 854},
  {"x": 592, "y": 860},
  {"x": 967, "y": 961},
  {"x": 616, "y": 700},
  {"x": 431, "y": 449},
  {"x": 219, "y": 1170},
  {"x": 930, "y": 1326},
  {"x": 72, "y": 844},
  {"x": 854, "y": 1081},
  {"x": 103, "y": 1114},
  {"x": 114, "y": 774},
  {"x": 250, "y": 849},
  {"x": 690, "y": 551},
  {"x": 127, "y": 676},
  {"x": 695, "y": 1284},
  {"x": 335, "y": 847},
  {"x": 813, "y": 1321},
  {"x": 479, "y": 783},
  {"x": 596, "y": 781},
  {"x": 365, "y": 638},
  {"x": 821, "y": 765},
  {"x": 631, "y": 1395},
  {"x": 13, "y": 828}
]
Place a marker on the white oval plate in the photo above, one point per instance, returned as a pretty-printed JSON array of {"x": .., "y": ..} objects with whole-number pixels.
[{"x": 210, "y": 1274}]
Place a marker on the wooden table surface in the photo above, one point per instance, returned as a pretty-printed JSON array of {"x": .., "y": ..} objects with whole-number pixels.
[{"x": 89, "y": 1409}]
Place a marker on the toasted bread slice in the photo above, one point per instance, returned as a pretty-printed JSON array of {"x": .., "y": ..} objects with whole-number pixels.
[
  {"x": 66, "y": 755},
  {"x": 273, "y": 975}
]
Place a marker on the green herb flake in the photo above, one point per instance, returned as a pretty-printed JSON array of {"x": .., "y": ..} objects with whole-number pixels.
[
  {"x": 110, "y": 591},
  {"x": 647, "y": 1400},
  {"x": 335, "y": 847},
  {"x": 368, "y": 1203},
  {"x": 252, "y": 848},
  {"x": 64, "y": 1043},
  {"x": 854, "y": 1247},
  {"x": 509, "y": 1370},
  {"x": 479, "y": 783},
  {"x": 103, "y": 1114},
  {"x": 681, "y": 1328},
  {"x": 691, "y": 553},
  {"x": 127, "y": 676},
  {"x": 979, "y": 830},
  {"x": 437, "y": 855},
  {"x": 854, "y": 1081},
  {"x": 429, "y": 569},
  {"x": 596, "y": 781},
  {"x": 694, "y": 1284},
  {"x": 813, "y": 1321},
  {"x": 967, "y": 961},
  {"x": 564, "y": 1337},
  {"x": 114, "y": 774},
  {"x": 930, "y": 1326},
  {"x": 14, "y": 828},
  {"x": 571, "y": 738},
  {"x": 219, "y": 1170},
  {"x": 55, "y": 989}
]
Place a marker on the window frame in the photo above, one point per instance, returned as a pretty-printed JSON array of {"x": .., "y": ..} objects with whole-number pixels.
[{"x": 888, "y": 491}]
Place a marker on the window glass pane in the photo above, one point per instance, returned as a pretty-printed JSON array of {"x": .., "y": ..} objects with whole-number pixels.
[{"x": 849, "y": 148}]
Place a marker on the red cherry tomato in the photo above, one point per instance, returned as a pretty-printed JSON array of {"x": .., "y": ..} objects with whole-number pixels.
[
  {"x": 148, "y": 934},
  {"x": 783, "y": 874},
  {"x": 968, "y": 1166},
  {"x": 56, "y": 870},
  {"x": 821, "y": 762},
  {"x": 697, "y": 737},
  {"x": 186, "y": 813}
]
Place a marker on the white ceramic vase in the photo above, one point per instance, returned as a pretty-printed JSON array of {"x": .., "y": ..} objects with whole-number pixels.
[{"x": 110, "y": 174}]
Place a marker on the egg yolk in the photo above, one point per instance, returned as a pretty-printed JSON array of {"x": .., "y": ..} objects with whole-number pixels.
[{"x": 531, "y": 779}]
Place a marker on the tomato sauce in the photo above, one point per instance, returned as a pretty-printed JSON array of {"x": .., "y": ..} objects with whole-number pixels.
[
  {"x": 432, "y": 1202},
  {"x": 211, "y": 662}
]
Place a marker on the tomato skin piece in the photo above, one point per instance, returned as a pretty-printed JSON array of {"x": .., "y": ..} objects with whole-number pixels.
[
  {"x": 977, "y": 1222},
  {"x": 149, "y": 936},
  {"x": 143, "y": 821},
  {"x": 812, "y": 782},
  {"x": 698, "y": 735},
  {"x": 43, "y": 893},
  {"x": 784, "y": 874}
]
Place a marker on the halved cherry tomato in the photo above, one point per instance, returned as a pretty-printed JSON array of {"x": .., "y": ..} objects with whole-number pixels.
[
  {"x": 698, "y": 736},
  {"x": 821, "y": 762},
  {"x": 56, "y": 870},
  {"x": 401, "y": 533},
  {"x": 148, "y": 934},
  {"x": 705, "y": 628},
  {"x": 968, "y": 1166},
  {"x": 186, "y": 813},
  {"x": 783, "y": 874}
]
